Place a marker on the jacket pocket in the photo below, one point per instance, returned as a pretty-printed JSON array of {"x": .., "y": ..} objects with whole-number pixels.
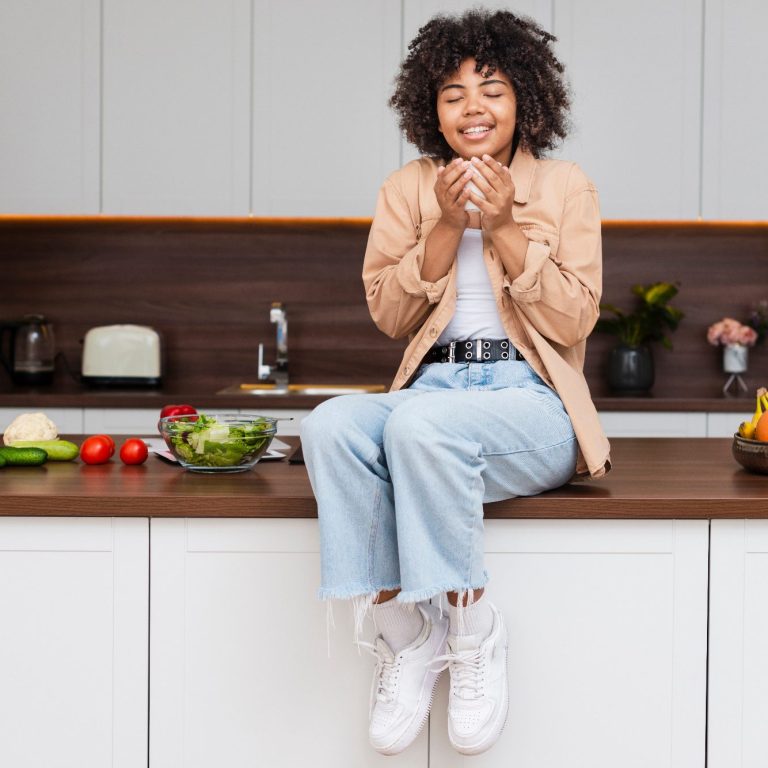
[{"x": 547, "y": 237}]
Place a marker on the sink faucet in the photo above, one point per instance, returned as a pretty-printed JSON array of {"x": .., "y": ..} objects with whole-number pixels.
[{"x": 279, "y": 371}]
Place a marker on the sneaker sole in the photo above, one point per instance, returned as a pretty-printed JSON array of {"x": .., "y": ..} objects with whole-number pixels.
[
  {"x": 490, "y": 740},
  {"x": 421, "y": 716}
]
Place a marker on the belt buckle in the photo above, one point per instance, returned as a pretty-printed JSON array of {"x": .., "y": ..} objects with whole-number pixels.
[
  {"x": 452, "y": 352},
  {"x": 478, "y": 350}
]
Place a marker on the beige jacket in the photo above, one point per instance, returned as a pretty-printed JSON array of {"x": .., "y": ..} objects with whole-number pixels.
[{"x": 548, "y": 310}]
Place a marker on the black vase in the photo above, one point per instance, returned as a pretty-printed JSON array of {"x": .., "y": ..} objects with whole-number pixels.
[{"x": 630, "y": 370}]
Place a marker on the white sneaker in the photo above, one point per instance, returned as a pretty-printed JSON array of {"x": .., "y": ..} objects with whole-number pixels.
[
  {"x": 479, "y": 697},
  {"x": 404, "y": 684}
]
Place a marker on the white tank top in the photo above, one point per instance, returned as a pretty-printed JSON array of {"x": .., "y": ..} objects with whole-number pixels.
[{"x": 476, "y": 315}]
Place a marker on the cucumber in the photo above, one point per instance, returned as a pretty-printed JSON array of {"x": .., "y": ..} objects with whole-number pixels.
[
  {"x": 23, "y": 457},
  {"x": 57, "y": 450}
]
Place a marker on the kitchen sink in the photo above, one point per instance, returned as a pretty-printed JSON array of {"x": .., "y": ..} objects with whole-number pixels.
[{"x": 267, "y": 390}]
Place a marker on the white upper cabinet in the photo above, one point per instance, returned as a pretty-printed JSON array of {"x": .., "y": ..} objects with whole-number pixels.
[
  {"x": 238, "y": 107},
  {"x": 324, "y": 138},
  {"x": 176, "y": 109},
  {"x": 419, "y": 12},
  {"x": 49, "y": 107},
  {"x": 735, "y": 168},
  {"x": 635, "y": 72}
]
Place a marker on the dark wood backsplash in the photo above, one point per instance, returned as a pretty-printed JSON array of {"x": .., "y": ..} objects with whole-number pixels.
[{"x": 207, "y": 286}]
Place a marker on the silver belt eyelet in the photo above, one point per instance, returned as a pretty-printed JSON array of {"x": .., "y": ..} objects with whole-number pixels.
[
  {"x": 504, "y": 355},
  {"x": 486, "y": 345},
  {"x": 504, "y": 344},
  {"x": 486, "y": 355}
]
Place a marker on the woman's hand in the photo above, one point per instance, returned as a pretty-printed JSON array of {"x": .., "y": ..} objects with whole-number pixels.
[
  {"x": 451, "y": 193},
  {"x": 495, "y": 181}
]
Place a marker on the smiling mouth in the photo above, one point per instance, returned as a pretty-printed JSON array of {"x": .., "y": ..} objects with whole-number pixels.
[{"x": 477, "y": 133}]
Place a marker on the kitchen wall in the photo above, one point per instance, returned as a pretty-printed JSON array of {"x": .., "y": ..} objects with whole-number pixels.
[
  {"x": 279, "y": 109},
  {"x": 207, "y": 287}
]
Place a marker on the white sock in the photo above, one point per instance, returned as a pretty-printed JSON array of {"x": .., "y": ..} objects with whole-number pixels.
[
  {"x": 398, "y": 623},
  {"x": 477, "y": 618}
]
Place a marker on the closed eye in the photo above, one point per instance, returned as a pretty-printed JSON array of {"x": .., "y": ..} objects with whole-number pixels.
[{"x": 489, "y": 95}]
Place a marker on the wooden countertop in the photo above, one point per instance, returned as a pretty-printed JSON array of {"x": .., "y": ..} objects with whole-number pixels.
[{"x": 652, "y": 478}]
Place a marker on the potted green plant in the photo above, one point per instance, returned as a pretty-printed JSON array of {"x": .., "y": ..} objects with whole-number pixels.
[{"x": 630, "y": 367}]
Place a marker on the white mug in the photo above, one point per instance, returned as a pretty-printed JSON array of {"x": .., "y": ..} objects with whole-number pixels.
[{"x": 469, "y": 205}]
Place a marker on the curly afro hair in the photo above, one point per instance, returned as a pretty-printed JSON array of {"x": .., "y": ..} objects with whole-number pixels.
[{"x": 515, "y": 45}]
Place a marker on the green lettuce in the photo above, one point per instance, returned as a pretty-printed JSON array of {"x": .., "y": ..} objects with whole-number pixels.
[{"x": 207, "y": 443}]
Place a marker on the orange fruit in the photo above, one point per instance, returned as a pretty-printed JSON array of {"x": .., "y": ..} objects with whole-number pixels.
[{"x": 761, "y": 431}]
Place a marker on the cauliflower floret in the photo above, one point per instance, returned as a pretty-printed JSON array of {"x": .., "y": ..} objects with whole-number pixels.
[{"x": 30, "y": 426}]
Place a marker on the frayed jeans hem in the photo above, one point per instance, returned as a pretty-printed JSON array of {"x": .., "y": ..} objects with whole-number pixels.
[
  {"x": 351, "y": 593},
  {"x": 418, "y": 595}
]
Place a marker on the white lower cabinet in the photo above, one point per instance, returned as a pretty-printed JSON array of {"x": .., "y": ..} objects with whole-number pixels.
[
  {"x": 138, "y": 421},
  {"x": 654, "y": 423},
  {"x": 607, "y": 656},
  {"x": 73, "y": 642},
  {"x": 240, "y": 669},
  {"x": 68, "y": 420},
  {"x": 607, "y": 623},
  {"x": 738, "y": 645}
]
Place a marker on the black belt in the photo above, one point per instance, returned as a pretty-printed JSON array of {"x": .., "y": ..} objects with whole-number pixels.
[{"x": 473, "y": 351}]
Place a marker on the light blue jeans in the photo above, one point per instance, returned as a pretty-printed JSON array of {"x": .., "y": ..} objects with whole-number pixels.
[{"x": 400, "y": 478}]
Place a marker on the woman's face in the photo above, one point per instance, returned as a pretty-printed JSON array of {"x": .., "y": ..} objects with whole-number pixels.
[{"x": 477, "y": 115}]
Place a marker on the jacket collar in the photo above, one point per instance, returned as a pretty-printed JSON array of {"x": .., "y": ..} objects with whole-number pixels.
[{"x": 522, "y": 169}]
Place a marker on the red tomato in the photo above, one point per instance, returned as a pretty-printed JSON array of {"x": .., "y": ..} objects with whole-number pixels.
[
  {"x": 96, "y": 450},
  {"x": 134, "y": 451},
  {"x": 177, "y": 410},
  {"x": 110, "y": 441}
]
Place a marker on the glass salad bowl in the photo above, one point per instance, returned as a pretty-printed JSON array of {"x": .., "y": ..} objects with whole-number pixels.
[{"x": 220, "y": 442}]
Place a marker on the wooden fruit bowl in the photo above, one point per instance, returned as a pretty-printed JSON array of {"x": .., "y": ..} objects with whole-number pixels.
[{"x": 751, "y": 454}]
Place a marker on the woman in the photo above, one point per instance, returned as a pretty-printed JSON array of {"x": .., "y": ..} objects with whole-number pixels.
[{"x": 489, "y": 259}]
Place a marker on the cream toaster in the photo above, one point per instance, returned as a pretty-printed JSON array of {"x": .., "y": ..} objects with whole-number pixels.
[{"x": 121, "y": 355}]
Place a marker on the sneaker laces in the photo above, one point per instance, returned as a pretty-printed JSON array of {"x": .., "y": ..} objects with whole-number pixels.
[
  {"x": 385, "y": 675},
  {"x": 467, "y": 672}
]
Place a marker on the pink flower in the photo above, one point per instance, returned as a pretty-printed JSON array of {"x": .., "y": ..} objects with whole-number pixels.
[
  {"x": 748, "y": 336},
  {"x": 730, "y": 331}
]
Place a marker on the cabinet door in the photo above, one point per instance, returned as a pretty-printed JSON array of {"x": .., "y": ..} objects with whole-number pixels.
[
  {"x": 67, "y": 420},
  {"x": 635, "y": 70},
  {"x": 607, "y": 623},
  {"x": 419, "y": 12},
  {"x": 73, "y": 642},
  {"x": 738, "y": 639},
  {"x": 120, "y": 421},
  {"x": 176, "y": 107},
  {"x": 243, "y": 672},
  {"x": 49, "y": 106},
  {"x": 324, "y": 138},
  {"x": 725, "y": 424},
  {"x": 656, "y": 424},
  {"x": 735, "y": 170}
]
